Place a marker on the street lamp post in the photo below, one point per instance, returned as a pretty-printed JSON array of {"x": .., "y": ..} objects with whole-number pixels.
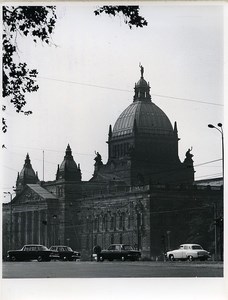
[
  {"x": 215, "y": 217},
  {"x": 168, "y": 239},
  {"x": 220, "y": 129},
  {"x": 54, "y": 228}
]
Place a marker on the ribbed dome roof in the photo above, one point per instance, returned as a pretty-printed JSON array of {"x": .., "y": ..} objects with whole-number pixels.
[
  {"x": 27, "y": 171},
  {"x": 68, "y": 169},
  {"x": 142, "y": 115},
  {"x": 142, "y": 83},
  {"x": 149, "y": 119},
  {"x": 68, "y": 162}
]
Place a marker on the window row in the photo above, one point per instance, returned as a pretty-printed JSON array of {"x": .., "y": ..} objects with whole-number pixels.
[
  {"x": 112, "y": 223},
  {"x": 120, "y": 150}
]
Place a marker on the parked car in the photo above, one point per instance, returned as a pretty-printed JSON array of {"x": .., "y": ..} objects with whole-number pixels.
[
  {"x": 30, "y": 252},
  {"x": 119, "y": 251},
  {"x": 188, "y": 252},
  {"x": 64, "y": 253}
]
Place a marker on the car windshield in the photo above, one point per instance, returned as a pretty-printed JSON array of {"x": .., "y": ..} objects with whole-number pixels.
[
  {"x": 196, "y": 247},
  {"x": 44, "y": 248},
  {"x": 112, "y": 247},
  {"x": 35, "y": 248},
  {"x": 127, "y": 247},
  {"x": 69, "y": 249},
  {"x": 63, "y": 248}
]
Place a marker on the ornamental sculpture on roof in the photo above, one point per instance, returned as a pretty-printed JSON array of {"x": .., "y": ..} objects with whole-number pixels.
[
  {"x": 98, "y": 159},
  {"x": 188, "y": 159},
  {"x": 141, "y": 70}
]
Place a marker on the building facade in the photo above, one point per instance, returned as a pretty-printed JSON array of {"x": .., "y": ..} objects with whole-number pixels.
[{"x": 143, "y": 196}]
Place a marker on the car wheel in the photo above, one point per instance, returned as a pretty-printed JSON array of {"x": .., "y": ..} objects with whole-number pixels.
[
  {"x": 190, "y": 258},
  {"x": 101, "y": 258},
  {"x": 171, "y": 257},
  {"x": 13, "y": 258},
  {"x": 123, "y": 258},
  {"x": 39, "y": 258}
]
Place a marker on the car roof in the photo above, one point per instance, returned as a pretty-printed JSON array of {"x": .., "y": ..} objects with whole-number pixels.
[
  {"x": 190, "y": 245},
  {"x": 119, "y": 244},
  {"x": 59, "y": 246},
  {"x": 33, "y": 245}
]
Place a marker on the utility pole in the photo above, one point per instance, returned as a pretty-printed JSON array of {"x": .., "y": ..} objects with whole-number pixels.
[
  {"x": 168, "y": 239},
  {"x": 43, "y": 165},
  {"x": 54, "y": 229}
]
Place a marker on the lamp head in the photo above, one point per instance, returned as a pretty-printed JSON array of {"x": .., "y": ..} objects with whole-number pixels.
[
  {"x": 219, "y": 124},
  {"x": 211, "y": 126}
]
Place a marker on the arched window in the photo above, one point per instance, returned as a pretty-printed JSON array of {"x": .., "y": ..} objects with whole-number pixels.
[
  {"x": 96, "y": 224},
  {"x": 112, "y": 239},
  {"x": 121, "y": 238},
  {"x": 129, "y": 221},
  {"x": 87, "y": 223},
  {"x": 121, "y": 222},
  {"x": 105, "y": 222},
  {"x": 112, "y": 223}
]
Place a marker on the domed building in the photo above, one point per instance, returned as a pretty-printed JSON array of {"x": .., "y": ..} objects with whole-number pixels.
[
  {"x": 68, "y": 169},
  {"x": 143, "y": 195},
  {"x": 26, "y": 176},
  {"x": 143, "y": 145}
]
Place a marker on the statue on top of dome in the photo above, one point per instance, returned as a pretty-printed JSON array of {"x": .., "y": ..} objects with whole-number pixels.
[{"x": 141, "y": 69}]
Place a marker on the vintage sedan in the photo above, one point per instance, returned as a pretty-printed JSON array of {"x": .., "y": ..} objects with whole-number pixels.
[
  {"x": 64, "y": 253},
  {"x": 119, "y": 251},
  {"x": 30, "y": 252},
  {"x": 188, "y": 252}
]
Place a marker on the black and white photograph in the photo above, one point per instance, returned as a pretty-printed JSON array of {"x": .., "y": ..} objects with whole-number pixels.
[{"x": 113, "y": 150}]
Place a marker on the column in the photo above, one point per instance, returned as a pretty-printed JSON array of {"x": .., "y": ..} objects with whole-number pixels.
[
  {"x": 39, "y": 224},
  {"x": 26, "y": 227},
  {"x": 32, "y": 237}
]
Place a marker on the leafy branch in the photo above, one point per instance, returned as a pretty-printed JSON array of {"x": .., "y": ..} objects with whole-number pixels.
[
  {"x": 37, "y": 22},
  {"x": 130, "y": 13}
]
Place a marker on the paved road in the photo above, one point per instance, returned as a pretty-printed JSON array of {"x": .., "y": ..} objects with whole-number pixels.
[{"x": 115, "y": 269}]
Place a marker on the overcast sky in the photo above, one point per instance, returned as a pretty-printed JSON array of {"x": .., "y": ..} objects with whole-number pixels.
[{"x": 87, "y": 78}]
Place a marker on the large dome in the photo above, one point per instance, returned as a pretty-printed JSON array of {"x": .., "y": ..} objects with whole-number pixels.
[
  {"x": 149, "y": 119},
  {"x": 142, "y": 115}
]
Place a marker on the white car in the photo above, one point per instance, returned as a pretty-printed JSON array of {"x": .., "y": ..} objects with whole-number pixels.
[{"x": 188, "y": 252}]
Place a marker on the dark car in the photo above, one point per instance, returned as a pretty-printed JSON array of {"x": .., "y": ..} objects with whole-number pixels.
[
  {"x": 30, "y": 252},
  {"x": 119, "y": 251},
  {"x": 64, "y": 253}
]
